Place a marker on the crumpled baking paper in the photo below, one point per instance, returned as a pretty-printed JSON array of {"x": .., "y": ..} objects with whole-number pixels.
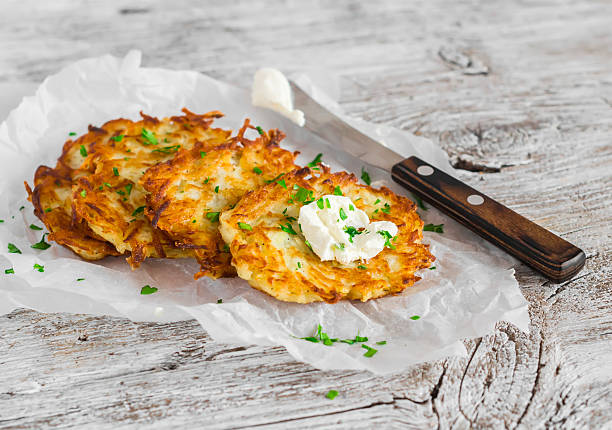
[{"x": 471, "y": 289}]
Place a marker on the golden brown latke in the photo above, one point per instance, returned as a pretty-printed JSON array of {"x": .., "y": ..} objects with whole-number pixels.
[
  {"x": 188, "y": 193},
  {"x": 111, "y": 200},
  {"x": 281, "y": 264}
]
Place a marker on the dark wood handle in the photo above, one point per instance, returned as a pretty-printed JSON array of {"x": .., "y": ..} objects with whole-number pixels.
[{"x": 537, "y": 247}]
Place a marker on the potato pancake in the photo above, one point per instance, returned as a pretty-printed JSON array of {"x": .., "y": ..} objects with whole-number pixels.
[
  {"x": 269, "y": 251},
  {"x": 188, "y": 193},
  {"x": 111, "y": 200}
]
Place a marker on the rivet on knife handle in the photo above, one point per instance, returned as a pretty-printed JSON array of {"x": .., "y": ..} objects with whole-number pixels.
[{"x": 537, "y": 247}]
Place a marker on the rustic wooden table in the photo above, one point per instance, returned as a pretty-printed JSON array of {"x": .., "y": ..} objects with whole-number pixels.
[{"x": 519, "y": 94}]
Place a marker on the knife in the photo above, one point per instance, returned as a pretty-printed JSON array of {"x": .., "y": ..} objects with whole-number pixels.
[{"x": 547, "y": 253}]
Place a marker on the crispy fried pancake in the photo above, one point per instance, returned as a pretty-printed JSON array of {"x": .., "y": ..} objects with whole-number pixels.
[
  {"x": 267, "y": 256},
  {"x": 111, "y": 200},
  {"x": 188, "y": 192}
]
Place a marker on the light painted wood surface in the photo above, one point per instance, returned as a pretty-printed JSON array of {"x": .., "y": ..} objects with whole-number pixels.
[{"x": 520, "y": 93}]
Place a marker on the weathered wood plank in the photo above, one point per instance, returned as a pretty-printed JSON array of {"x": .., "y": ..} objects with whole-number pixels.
[{"x": 519, "y": 93}]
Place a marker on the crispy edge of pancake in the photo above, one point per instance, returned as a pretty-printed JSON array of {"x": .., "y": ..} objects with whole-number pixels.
[
  {"x": 267, "y": 256},
  {"x": 192, "y": 173}
]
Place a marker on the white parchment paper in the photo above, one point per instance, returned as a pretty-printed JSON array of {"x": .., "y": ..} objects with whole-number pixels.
[{"x": 472, "y": 288}]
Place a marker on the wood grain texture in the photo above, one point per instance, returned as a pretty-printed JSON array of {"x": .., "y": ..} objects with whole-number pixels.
[{"x": 519, "y": 94}]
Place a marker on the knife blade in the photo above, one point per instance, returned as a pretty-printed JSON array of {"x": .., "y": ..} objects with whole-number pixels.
[{"x": 554, "y": 257}]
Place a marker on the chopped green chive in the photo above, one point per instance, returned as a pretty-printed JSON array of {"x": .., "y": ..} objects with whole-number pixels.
[
  {"x": 83, "y": 151},
  {"x": 260, "y": 130},
  {"x": 370, "y": 351},
  {"x": 48, "y": 210},
  {"x": 80, "y": 279},
  {"x": 9, "y": 271},
  {"x": 269, "y": 181},
  {"x": 257, "y": 170},
  {"x": 219, "y": 300},
  {"x": 13, "y": 249},
  {"x": 320, "y": 203},
  {"x": 432, "y": 268},
  {"x": 35, "y": 227},
  {"x": 147, "y": 289},
  {"x": 352, "y": 232},
  {"x": 149, "y": 137},
  {"x": 337, "y": 191},
  {"x": 388, "y": 237},
  {"x": 361, "y": 338},
  {"x": 377, "y": 201},
  {"x": 83, "y": 193},
  {"x": 226, "y": 248},
  {"x": 22, "y": 208},
  {"x": 39, "y": 267},
  {"x": 435, "y": 228},
  {"x": 314, "y": 163},
  {"x": 217, "y": 189},
  {"x": 415, "y": 317},
  {"x": 202, "y": 154},
  {"x": 386, "y": 209},
  {"x": 327, "y": 205},
  {"x": 282, "y": 183},
  {"x": 213, "y": 216},
  {"x": 331, "y": 394},
  {"x": 168, "y": 149},
  {"x": 72, "y": 133},
  {"x": 308, "y": 244},
  {"x": 351, "y": 208},
  {"x": 299, "y": 265},
  {"x": 245, "y": 226},
  {"x": 365, "y": 176},
  {"x": 42, "y": 245},
  {"x": 288, "y": 228},
  {"x": 118, "y": 138},
  {"x": 138, "y": 210},
  {"x": 343, "y": 215},
  {"x": 206, "y": 181},
  {"x": 419, "y": 202},
  {"x": 1, "y": 221},
  {"x": 128, "y": 189},
  {"x": 115, "y": 171},
  {"x": 382, "y": 342},
  {"x": 362, "y": 267}
]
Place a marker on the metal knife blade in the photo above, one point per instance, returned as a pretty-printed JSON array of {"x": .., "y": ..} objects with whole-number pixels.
[{"x": 332, "y": 129}]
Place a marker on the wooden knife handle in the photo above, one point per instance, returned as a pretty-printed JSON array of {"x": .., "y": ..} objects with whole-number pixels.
[{"x": 537, "y": 247}]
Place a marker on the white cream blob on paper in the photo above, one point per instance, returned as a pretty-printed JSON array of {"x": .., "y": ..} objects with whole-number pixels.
[
  {"x": 337, "y": 230},
  {"x": 271, "y": 90}
]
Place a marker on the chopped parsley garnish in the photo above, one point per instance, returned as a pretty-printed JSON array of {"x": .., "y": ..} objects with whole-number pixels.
[
  {"x": 128, "y": 189},
  {"x": 72, "y": 133},
  {"x": 299, "y": 265},
  {"x": 147, "y": 289},
  {"x": 9, "y": 271},
  {"x": 42, "y": 245},
  {"x": 415, "y": 317},
  {"x": 80, "y": 279},
  {"x": 83, "y": 193},
  {"x": 138, "y": 210},
  {"x": 377, "y": 201},
  {"x": 343, "y": 214},
  {"x": 362, "y": 267},
  {"x": 419, "y": 202},
  {"x": 269, "y": 181},
  {"x": 217, "y": 189},
  {"x": 365, "y": 176},
  {"x": 168, "y": 149},
  {"x": 352, "y": 232},
  {"x": 83, "y": 151},
  {"x": 331, "y": 394},
  {"x": 314, "y": 163},
  {"x": 118, "y": 138},
  {"x": 432, "y": 268},
  {"x": 386, "y": 209},
  {"x": 370, "y": 351},
  {"x": 388, "y": 237},
  {"x": 259, "y": 130},
  {"x": 435, "y": 228},
  {"x": 149, "y": 137},
  {"x": 320, "y": 203},
  {"x": 351, "y": 208},
  {"x": 282, "y": 183},
  {"x": 202, "y": 154},
  {"x": 257, "y": 170},
  {"x": 382, "y": 342},
  {"x": 115, "y": 171},
  {"x": 35, "y": 227},
  {"x": 245, "y": 226},
  {"x": 206, "y": 181},
  {"x": 39, "y": 267},
  {"x": 213, "y": 216},
  {"x": 288, "y": 228},
  {"x": 48, "y": 210},
  {"x": 219, "y": 300},
  {"x": 337, "y": 191},
  {"x": 303, "y": 195},
  {"x": 327, "y": 205},
  {"x": 13, "y": 249}
]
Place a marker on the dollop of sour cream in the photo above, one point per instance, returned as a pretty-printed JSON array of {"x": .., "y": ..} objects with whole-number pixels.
[
  {"x": 337, "y": 230},
  {"x": 271, "y": 90}
]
